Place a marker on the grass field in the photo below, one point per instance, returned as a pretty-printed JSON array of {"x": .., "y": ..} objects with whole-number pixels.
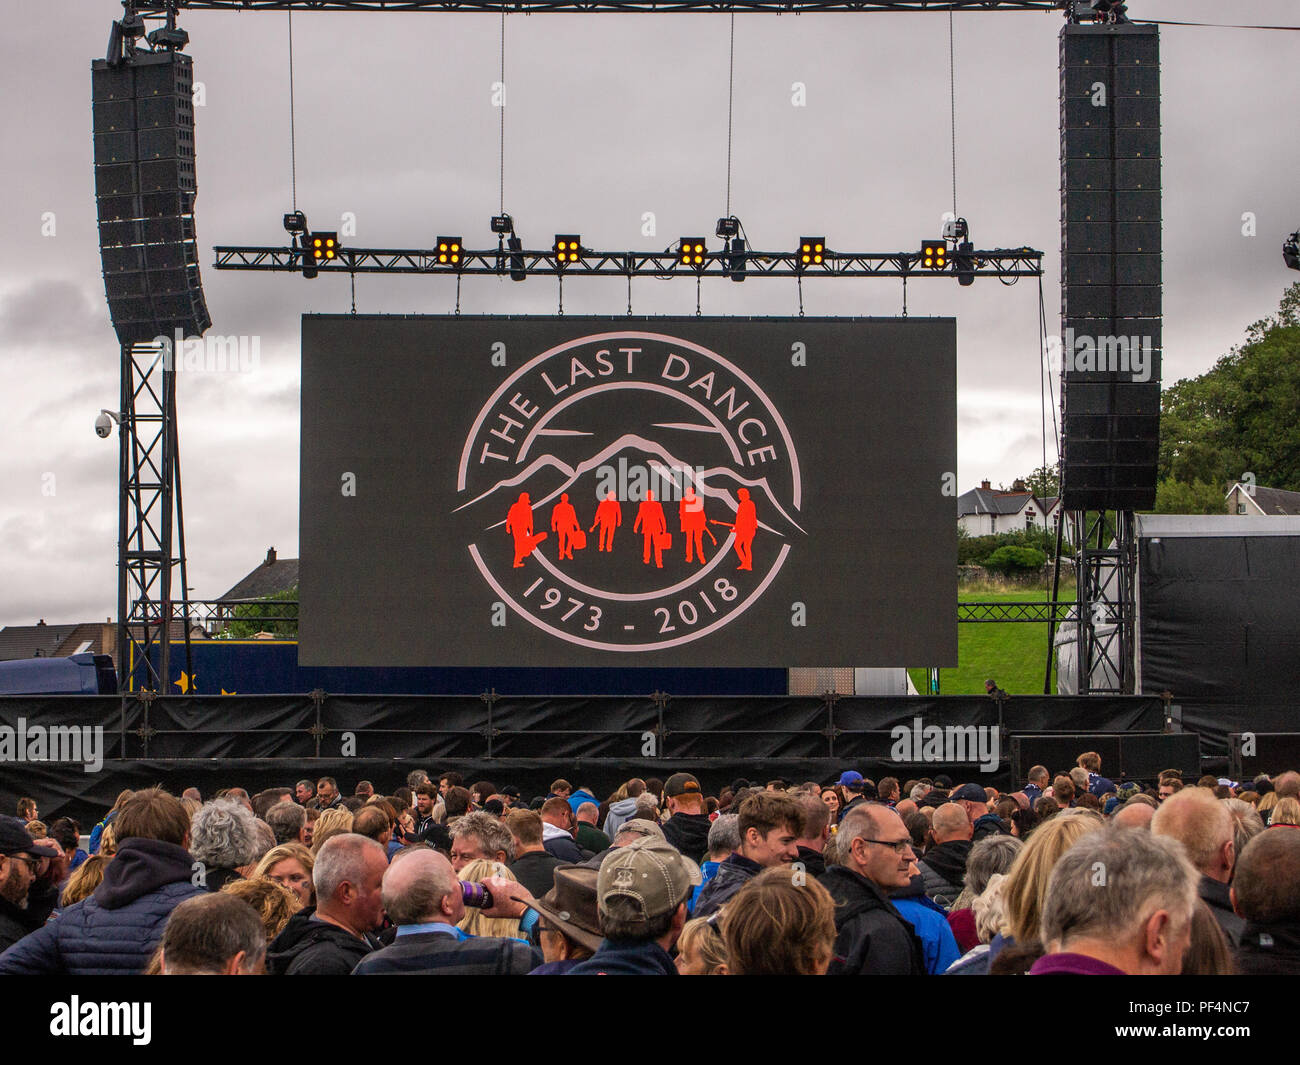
[{"x": 1012, "y": 653}]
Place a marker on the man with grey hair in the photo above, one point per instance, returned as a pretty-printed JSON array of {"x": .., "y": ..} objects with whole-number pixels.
[
  {"x": 874, "y": 849},
  {"x": 1246, "y": 822},
  {"x": 480, "y": 836},
  {"x": 213, "y": 935},
  {"x": 423, "y": 899},
  {"x": 724, "y": 838},
  {"x": 288, "y": 821},
  {"x": 330, "y": 939},
  {"x": 586, "y": 834},
  {"x": 1202, "y": 824},
  {"x": 223, "y": 837},
  {"x": 1118, "y": 903}
]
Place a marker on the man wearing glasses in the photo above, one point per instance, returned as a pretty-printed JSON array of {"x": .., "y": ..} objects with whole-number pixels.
[
  {"x": 21, "y": 863},
  {"x": 876, "y": 856}
]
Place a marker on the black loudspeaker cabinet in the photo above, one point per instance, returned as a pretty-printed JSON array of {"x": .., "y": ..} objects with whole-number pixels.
[
  {"x": 1111, "y": 268},
  {"x": 143, "y": 122}
]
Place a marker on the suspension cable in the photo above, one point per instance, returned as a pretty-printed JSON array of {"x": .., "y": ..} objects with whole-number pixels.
[
  {"x": 731, "y": 100},
  {"x": 293, "y": 142},
  {"x": 502, "y": 167},
  {"x": 952, "y": 102}
]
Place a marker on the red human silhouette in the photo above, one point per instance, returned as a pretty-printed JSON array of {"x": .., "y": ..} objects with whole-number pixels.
[
  {"x": 745, "y": 527},
  {"x": 564, "y": 523},
  {"x": 652, "y": 524},
  {"x": 519, "y": 523},
  {"x": 609, "y": 516},
  {"x": 690, "y": 513}
]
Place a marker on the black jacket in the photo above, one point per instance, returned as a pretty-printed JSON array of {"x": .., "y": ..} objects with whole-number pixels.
[
  {"x": 1215, "y": 894},
  {"x": 1268, "y": 950},
  {"x": 872, "y": 938},
  {"x": 944, "y": 870},
  {"x": 732, "y": 875},
  {"x": 315, "y": 948},
  {"x": 813, "y": 861},
  {"x": 536, "y": 871},
  {"x": 689, "y": 833},
  {"x": 564, "y": 849},
  {"x": 15, "y": 922}
]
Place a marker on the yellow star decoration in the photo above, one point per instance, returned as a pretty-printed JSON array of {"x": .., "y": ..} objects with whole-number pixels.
[
  {"x": 224, "y": 692},
  {"x": 186, "y": 682}
]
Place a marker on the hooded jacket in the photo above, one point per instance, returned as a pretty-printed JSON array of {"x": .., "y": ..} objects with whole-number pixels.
[
  {"x": 689, "y": 833},
  {"x": 944, "y": 870},
  {"x": 871, "y": 937},
  {"x": 116, "y": 929},
  {"x": 623, "y": 810},
  {"x": 308, "y": 947}
]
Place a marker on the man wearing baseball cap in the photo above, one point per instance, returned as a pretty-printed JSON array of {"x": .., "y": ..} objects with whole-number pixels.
[
  {"x": 687, "y": 828},
  {"x": 641, "y": 894},
  {"x": 20, "y": 861}
]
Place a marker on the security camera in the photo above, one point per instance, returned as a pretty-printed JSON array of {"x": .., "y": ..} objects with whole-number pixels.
[{"x": 104, "y": 423}]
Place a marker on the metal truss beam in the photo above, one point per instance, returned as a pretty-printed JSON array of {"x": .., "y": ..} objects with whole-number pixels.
[
  {"x": 1002, "y": 263},
  {"x": 1030, "y": 612},
  {"x": 532, "y": 7},
  {"x": 1105, "y": 572},
  {"x": 146, "y": 481}
]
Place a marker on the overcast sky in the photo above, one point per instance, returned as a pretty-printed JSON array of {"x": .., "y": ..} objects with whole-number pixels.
[{"x": 607, "y": 118}]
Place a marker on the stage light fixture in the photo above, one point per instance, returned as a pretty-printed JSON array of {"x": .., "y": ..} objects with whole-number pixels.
[
  {"x": 503, "y": 225},
  {"x": 735, "y": 260},
  {"x": 1291, "y": 251},
  {"x": 518, "y": 271},
  {"x": 691, "y": 251},
  {"x": 449, "y": 251},
  {"x": 934, "y": 255},
  {"x": 728, "y": 227},
  {"x": 324, "y": 247},
  {"x": 567, "y": 248},
  {"x": 812, "y": 252},
  {"x": 964, "y": 263},
  {"x": 295, "y": 222}
]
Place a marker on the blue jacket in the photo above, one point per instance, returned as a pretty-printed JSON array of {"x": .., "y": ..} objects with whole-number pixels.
[
  {"x": 116, "y": 929},
  {"x": 707, "y": 872},
  {"x": 937, "y": 941},
  {"x": 616, "y": 958}
]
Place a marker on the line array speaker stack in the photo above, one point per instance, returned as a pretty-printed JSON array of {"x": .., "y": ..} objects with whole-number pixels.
[
  {"x": 1111, "y": 265},
  {"x": 144, "y": 193}
]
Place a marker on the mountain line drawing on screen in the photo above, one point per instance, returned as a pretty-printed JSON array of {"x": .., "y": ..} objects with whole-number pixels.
[{"x": 641, "y": 428}]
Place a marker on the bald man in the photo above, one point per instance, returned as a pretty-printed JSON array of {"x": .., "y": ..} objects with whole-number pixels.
[
  {"x": 944, "y": 864},
  {"x": 425, "y": 901},
  {"x": 1133, "y": 814},
  {"x": 1202, "y": 824}
]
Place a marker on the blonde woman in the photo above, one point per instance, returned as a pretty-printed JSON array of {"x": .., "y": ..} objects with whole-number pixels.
[
  {"x": 82, "y": 883},
  {"x": 333, "y": 822},
  {"x": 1265, "y": 807},
  {"x": 1025, "y": 889},
  {"x": 290, "y": 866},
  {"x": 273, "y": 903},
  {"x": 1286, "y": 812},
  {"x": 701, "y": 950},
  {"x": 474, "y": 922}
]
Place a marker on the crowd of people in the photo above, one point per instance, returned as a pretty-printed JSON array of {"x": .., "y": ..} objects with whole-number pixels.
[{"x": 1069, "y": 874}]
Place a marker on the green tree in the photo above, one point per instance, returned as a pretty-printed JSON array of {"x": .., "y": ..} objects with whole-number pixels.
[
  {"x": 1243, "y": 415},
  {"x": 266, "y": 615},
  {"x": 1044, "y": 481},
  {"x": 1010, "y": 559},
  {"x": 1177, "y": 497}
]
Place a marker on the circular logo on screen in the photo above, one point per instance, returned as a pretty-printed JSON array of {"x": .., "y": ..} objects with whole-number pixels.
[{"x": 629, "y": 491}]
